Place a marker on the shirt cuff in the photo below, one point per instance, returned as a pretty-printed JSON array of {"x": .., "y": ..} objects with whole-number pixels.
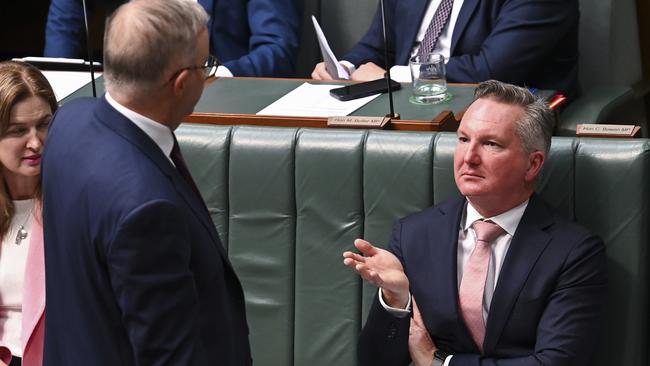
[
  {"x": 401, "y": 74},
  {"x": 223, "y": 71},
  {"x": 400, "y": 313},
  {"x": 448, "y": 360},
  {"x": 351, "y": 68}
]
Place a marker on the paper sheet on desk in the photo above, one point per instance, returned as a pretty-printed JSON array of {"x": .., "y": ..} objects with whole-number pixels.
[
  {"x": 65, "y": 83},
  {"x": 313, "y": 100}
]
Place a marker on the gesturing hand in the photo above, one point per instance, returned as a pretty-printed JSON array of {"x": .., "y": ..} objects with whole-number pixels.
[
  {"x": 381, "y": 268},
  {"x": 421, "y": 347}
]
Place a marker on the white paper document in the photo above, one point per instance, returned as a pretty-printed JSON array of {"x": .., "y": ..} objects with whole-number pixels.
[
  {"x": 332, "y": 65},
  {"x": 65, "y": 83},
  {"x": 313, "y": 100}
]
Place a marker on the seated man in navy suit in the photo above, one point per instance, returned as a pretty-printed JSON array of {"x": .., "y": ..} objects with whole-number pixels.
[
  {"x": 496, "y": 276},
  {"x": 251, "y": 38},
  {"x": 524, "y": 42},
  {"x": 136, "y": 273}
]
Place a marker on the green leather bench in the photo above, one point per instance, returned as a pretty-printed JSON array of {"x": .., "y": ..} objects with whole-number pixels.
[{"x": 287, "y": 202}]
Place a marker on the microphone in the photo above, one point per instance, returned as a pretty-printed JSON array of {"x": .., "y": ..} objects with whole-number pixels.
[
  {"x": 368, "y": 88},
  {"x": 90, "y": 50},
  {"x": 388, "y": 80}
]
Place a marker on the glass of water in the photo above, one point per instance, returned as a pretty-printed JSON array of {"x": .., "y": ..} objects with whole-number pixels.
[{"x": 429, "y": 78}]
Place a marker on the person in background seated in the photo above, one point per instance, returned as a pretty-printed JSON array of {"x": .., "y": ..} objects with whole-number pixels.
[
  {"x": 530, "y": 43},
  {"x": 27, "y": 103},
  {"x": 495, "y": 277},
  {"x": 251, "y": 38}
]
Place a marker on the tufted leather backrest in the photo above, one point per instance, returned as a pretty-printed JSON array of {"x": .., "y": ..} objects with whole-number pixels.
[{"x": 287, "y": 202}]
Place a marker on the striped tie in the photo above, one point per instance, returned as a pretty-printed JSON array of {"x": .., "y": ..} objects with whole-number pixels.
[{"x": 440, "y": 19}]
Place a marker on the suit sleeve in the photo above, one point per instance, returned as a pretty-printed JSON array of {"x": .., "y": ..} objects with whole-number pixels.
[
  {"x": 525, "y": 32},
  {"x": 273, "y": 44},
  {"x": 149, "y": 265},
  {"x": 568, "y": 329},
  {"x": 64, "y": 29},
  {"x": 371, "y": 47},
  {"x": 384, "y": 338}
]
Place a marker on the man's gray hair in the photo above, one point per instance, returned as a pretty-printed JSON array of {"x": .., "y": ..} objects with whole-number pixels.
[
  {"x": 535, "y": 128},
  {"x": 145, "y": 39}
]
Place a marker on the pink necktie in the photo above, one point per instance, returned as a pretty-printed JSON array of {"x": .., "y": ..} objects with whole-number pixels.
[
  {"x": 472, "y": 285},
  {"x": 440, "y": 19}
]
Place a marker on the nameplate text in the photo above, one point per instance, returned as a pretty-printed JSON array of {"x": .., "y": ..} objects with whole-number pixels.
[
  {"x": 603, "y": 130},
  {"x": 357, "y": 122}
]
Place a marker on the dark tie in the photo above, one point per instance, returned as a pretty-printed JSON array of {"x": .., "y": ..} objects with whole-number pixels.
[
  {"x": 178, "y": 160},
  {"x": 440, "y": 19},
  {"x": 472, "y": 286}
]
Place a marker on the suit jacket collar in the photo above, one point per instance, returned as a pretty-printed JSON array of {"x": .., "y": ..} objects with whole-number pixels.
[
  {"x": 453, "y": 211},
  {"x": 112, "y": 119},
  {"x": 528, "y": 243}
]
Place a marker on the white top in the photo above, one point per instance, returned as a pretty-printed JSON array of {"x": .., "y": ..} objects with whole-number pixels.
[
  {"x": 13, "y": 259},
  {"x": 159, "y": 133}
]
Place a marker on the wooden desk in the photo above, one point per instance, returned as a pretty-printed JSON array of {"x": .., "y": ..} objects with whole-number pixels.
[{"x": 235, "y": 101}]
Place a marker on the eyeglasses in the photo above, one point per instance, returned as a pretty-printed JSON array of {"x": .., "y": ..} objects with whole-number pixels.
[{"x": 209, "y": 68}]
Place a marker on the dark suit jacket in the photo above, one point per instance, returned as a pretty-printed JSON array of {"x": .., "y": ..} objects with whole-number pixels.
[
  {"x": 529, "y": 42},
  {"x": 136, "y": 274},
  {"x": 251, "y": 37},
  {"x": 545, "y": 309}
]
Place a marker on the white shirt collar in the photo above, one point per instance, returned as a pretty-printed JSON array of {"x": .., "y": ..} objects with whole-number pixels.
[
  {"x": 158, "y": 132},
  {"x": 508, "y": 220}
]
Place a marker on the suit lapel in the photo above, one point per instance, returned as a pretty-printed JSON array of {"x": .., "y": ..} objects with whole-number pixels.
[
  {"x": 456, "y": 212},
  {"x": 465, "y": 14},
  {"x": 415, "y": 13},
  {"x": 443, "y": 235},
  {"x": 117, "y": 122},
  {"x": 529, "y": 242}
]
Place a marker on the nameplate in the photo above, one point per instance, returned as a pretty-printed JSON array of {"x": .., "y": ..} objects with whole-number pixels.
[
  {"x": 600, "y": 130},
  {"x": 357, "y": 122}
]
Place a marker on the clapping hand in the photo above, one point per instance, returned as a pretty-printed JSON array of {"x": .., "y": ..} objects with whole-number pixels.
[{"x": 381, "y": 268}]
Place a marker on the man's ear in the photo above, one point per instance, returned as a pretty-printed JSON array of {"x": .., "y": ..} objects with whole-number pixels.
[
  {"x": 535, "y": 163},
  {"x": 180, "y": 82}
]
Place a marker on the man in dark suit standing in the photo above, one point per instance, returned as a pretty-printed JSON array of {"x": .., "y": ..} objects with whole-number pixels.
[
  {"x": 524, "y": 42},
  {"x": 497, "y": 276},
  {"x": 136, "y": 274}
]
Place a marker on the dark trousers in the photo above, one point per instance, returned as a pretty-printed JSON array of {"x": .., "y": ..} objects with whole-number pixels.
[{"x": 15, "y": 361}]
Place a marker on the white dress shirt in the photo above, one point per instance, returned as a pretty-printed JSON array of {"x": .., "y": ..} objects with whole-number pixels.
[{"x": 158, "y": 132}]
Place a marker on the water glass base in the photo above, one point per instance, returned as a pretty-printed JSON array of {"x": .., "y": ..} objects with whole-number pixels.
[{"x": 430, "y": 99}]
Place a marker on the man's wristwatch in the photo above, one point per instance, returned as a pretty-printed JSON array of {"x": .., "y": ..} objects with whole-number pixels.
[{"x": 439, "y": 358}]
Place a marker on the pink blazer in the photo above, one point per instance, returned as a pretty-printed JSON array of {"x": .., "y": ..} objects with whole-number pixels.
[{"x": 33, "y": 322}]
